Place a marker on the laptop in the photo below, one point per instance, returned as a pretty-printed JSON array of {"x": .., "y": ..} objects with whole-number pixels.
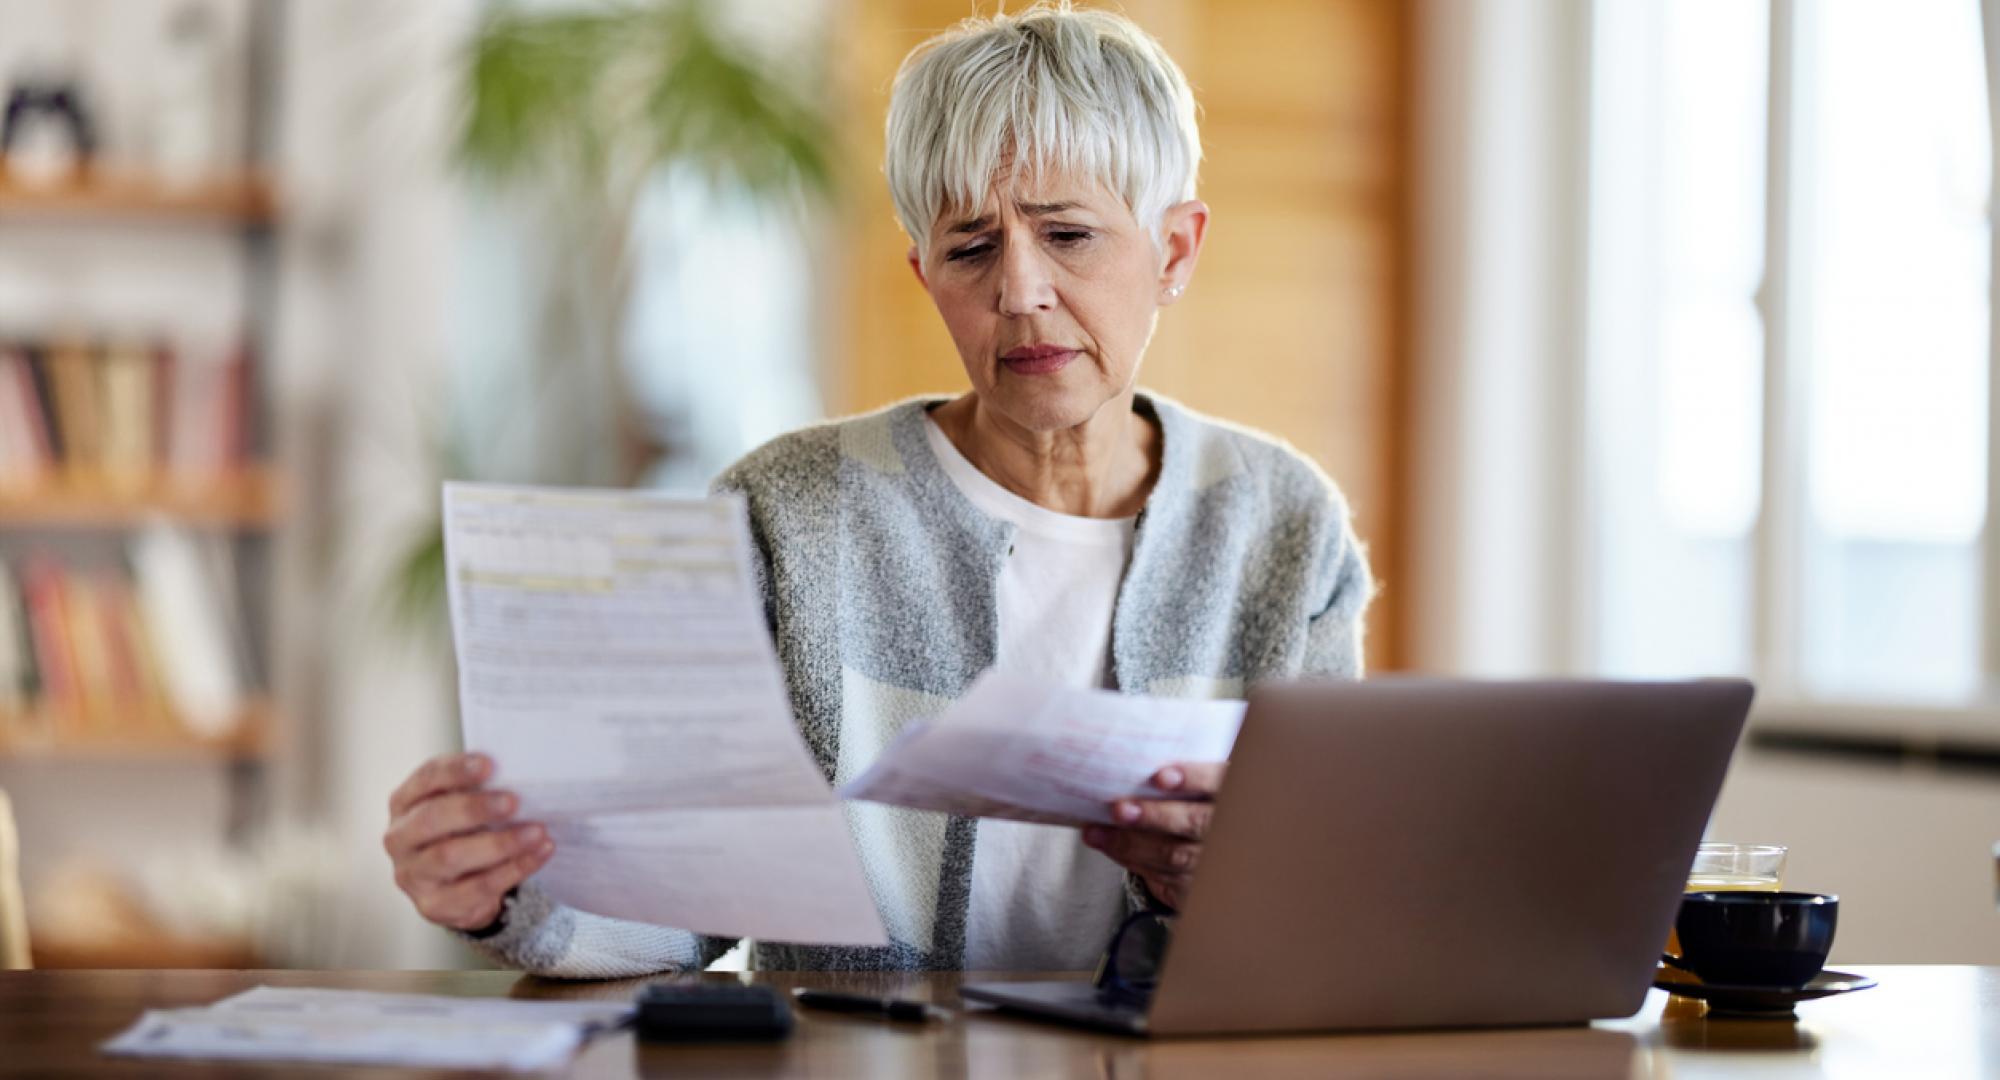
[{"x": 1420, "y": 853}]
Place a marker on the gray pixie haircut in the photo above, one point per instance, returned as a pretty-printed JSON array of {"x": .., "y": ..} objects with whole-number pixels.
[{"x": 1048, "y": 90}]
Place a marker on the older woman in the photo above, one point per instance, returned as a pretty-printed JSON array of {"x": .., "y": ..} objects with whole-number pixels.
[{"x": 1053, "y": 521}]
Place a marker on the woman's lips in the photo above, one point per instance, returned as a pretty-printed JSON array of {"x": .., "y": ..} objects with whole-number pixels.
[{"x": 1037, "y": 359}]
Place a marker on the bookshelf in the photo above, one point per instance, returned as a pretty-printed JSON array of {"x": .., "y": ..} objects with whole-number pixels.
[
  {"x": 245, "y": 497},
  {"x": 134, "y": 426},
  {"x": 247, "y": 198},
  {"x": 39, "y": 735}
]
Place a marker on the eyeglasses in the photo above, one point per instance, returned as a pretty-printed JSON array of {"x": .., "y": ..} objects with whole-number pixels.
[{"x": 1131, "y": 962}]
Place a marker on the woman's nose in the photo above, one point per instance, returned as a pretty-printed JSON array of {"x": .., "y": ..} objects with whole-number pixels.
[{"x": 1026, "y": 286}]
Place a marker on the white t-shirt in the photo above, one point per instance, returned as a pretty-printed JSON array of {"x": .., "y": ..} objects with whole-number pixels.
[{"x": 1041, "y": 900}]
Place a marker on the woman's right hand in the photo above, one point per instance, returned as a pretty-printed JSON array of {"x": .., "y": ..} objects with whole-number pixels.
[{"x": 455, "y": 845}]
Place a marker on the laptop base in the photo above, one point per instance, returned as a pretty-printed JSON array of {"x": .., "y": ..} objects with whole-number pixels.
[{"x": 1073, "y": 1001}]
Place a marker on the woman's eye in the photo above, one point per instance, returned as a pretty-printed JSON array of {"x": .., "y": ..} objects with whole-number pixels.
[
  {"x": 1069, "y": 237},
  {"x": 968, "y": 253}
]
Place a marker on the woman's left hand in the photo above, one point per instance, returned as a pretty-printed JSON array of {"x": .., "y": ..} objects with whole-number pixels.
[{"x": 1160, "y": 839}]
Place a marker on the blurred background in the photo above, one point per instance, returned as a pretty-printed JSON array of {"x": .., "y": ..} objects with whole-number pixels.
[{"x": 1647, "y": 338}]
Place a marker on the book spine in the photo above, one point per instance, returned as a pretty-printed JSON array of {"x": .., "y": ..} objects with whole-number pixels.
[
  {"x": 92, "y": 661},
  {"x": 17, "y": 658},
  {"x": 45, "y": 400},
  {"x": 17, "y": 453},
  {"x": 48, "y": 622},
  {"x": 78, "y": 408},
  {"x": 124, "y": 381},
  {"x": 114, "y": 601},
  {"x": 32, "y": 429},
  {"x": 160, "y": 454},
  {"x": 189, "y": 626}
]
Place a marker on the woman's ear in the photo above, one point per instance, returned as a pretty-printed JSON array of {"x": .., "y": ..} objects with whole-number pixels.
[
  {"x": 917, "y": 267},
  {"x": 1182, "y": 228}
]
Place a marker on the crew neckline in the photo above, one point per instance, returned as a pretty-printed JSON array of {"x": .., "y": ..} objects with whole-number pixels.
[{"x": 990, "y": 497}]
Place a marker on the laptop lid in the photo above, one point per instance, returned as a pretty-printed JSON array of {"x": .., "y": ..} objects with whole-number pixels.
[{"x": 1401, "y": 853}]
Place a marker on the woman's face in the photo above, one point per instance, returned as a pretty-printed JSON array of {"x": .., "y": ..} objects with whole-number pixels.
[{"x": 1051, "y": 296}]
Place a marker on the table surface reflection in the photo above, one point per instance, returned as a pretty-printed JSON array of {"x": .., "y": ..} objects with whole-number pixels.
[{"x": 1921, "y": 1021}]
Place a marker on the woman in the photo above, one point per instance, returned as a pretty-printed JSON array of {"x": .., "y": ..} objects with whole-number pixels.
[{"x": 1052, "y": 521}]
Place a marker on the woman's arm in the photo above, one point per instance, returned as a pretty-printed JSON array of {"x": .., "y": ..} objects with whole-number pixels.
[
  {"x": 542, "y": 937},
  {"x": 1334, "y": 635}
]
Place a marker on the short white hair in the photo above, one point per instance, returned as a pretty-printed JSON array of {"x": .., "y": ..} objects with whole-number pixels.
[{"x": 1049, "y": 90}]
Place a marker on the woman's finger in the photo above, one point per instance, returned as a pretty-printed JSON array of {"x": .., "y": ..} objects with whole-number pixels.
[
  {"x": 1144, "y": 852},
  {"x": 1175, "y": 817},
  {"x": 454, "y": 858},
  {"x": 1168, "y": 889},
  {"x": 472, "y": 902},
  {"x": 446, "y": 772},
  {"x": 1200, "y": 779},
  {"x": 447, "y": 815}
]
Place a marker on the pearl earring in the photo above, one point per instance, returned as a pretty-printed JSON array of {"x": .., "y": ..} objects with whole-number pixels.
[{"x": 1175, "y": 291}]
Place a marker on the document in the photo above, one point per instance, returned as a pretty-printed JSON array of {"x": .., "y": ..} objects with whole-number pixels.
[
  {"x": 1012, "y": 748},
  {"x": 614, "y": 661},
  {"x": 308, "y": 1001},
  {"x": 355, "y": 1027}
]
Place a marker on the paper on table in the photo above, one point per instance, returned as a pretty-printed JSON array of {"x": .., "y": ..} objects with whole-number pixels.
[
  {"x": 371, "y": 1005},
  {"x": 1011, "y": 748},
  {"x": 613, "y": 660},
  {"x": 358, "y": 1027},
  {"x": 612, "y": 653}
]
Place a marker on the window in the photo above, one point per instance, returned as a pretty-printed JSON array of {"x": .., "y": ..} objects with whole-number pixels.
[{"x": 1788, "y": 344}]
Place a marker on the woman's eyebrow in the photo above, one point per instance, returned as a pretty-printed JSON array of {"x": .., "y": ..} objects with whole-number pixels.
[{"x": 973, "y": 225}]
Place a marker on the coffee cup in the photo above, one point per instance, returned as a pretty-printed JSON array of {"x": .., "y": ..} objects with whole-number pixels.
[{"x": 1774, "y": 939}]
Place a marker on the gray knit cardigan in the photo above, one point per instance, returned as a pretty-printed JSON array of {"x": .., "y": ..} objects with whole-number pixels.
[{"x": 879, "y": 581}]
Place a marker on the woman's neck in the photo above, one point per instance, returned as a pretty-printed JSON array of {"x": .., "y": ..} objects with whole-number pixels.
[{"x": 1102, "y": 468}]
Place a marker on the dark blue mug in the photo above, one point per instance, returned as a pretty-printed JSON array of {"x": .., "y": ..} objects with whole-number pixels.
[{"x": 1774, "y": 939}]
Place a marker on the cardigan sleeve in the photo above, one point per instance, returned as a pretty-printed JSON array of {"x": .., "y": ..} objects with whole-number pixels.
[
  {"x": 1334, "y": 633},
  {"x": 543, "y": 937}
]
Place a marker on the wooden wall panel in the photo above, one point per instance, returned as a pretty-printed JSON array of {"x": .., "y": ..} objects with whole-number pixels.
[{"x": 1295, "y": 321}]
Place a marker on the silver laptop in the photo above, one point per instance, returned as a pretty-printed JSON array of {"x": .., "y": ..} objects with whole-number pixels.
[{"x": 1414, "y": 853}]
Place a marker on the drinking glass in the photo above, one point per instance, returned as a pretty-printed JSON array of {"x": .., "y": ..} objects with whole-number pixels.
[
  {"x": 1720, "y": 867},
  {"x": 1726, "y": 867}
]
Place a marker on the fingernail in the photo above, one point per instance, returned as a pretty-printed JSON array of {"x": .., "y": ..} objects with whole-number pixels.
[
  {"x": 1128, "y": 812},
  {"x": 500, "y": 804},
  {"x": 473, "y": 765},
  {"x": 547, "y": 846},
  {"x": 1094, "y": 836},
  {"x": 1170, "y": 778},
  {"x": 531, "y": 833}
]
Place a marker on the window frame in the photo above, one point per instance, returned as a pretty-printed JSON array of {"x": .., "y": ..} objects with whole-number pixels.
[{"x": 1778, "y": 537}]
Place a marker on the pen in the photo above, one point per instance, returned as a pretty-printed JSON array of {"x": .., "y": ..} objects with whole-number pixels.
[{"x": 893, "y": 1008}]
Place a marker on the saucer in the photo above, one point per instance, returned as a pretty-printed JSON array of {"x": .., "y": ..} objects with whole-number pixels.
[{"x": 1760, "y": 1002}]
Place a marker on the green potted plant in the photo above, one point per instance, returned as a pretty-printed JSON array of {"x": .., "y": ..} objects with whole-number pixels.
[{"x": 579, "y": 111}]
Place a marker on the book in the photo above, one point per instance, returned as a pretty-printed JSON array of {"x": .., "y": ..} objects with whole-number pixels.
[
  {"x": 18, "y": 467},
  {"x": 78, "y": 410},
  {"x": 190, "y": 628},
  {"x": 45, "y": 399},
  {"x": 48, "y": 630},
  {"x": 92, "y": 661},
  {"x": 125, "y": 377},
  {"x": 117, "y": 623},
  {"x": 126, "y": 415},
  {"x": 33, "y": 450},
  {"x": 200, "y": 431},
  {"x": 17, "y": 658}
]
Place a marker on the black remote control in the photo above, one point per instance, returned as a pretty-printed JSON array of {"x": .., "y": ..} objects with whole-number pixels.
[{"x": 691, "y": 1011}]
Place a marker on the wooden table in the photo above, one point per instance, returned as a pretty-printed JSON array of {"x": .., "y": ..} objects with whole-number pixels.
[{"x": 1922, "y": 1021}]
